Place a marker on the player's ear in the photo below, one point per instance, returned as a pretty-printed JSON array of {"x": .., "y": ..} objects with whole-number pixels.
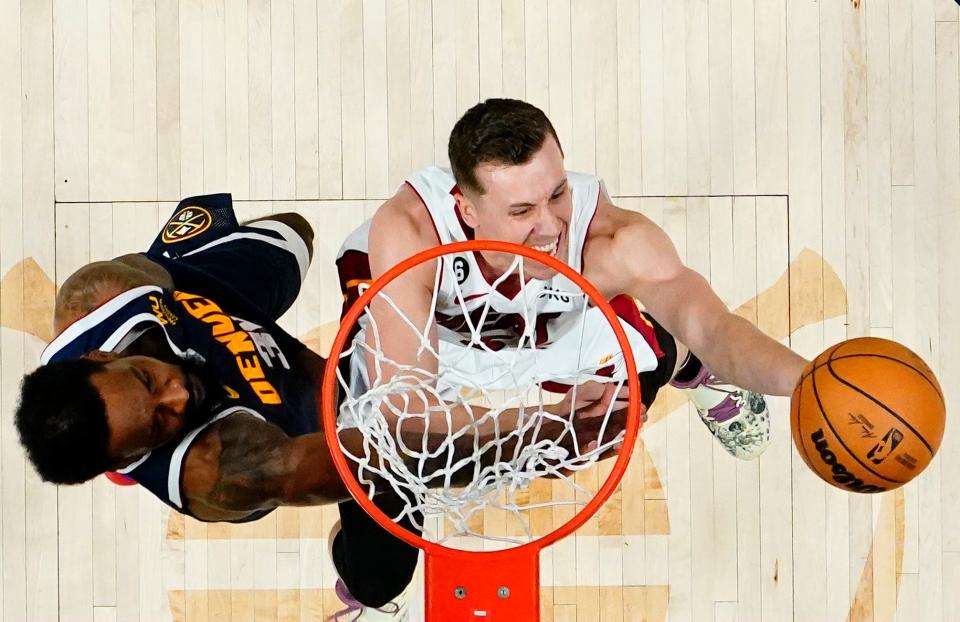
[{"x": 467, "y": 208}]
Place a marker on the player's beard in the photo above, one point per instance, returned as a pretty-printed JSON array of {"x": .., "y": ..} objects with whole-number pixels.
[{"x": 205, "y": 400}]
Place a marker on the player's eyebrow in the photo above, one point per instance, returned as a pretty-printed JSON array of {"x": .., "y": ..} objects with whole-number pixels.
[
  {"x": 556, "y": 189},
  {"x": 141, "y": 376}
]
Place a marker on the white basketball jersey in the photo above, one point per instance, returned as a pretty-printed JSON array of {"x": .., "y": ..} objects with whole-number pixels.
[
  {"x": 554, "y": 306},
  {"x": 434, "y": 185}
]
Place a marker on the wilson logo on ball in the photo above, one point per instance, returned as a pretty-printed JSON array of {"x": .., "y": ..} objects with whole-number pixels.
[{"x": 840, "y": 473}]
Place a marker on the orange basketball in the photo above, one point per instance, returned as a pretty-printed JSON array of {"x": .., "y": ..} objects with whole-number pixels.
[{"x": 867, "y": 415}]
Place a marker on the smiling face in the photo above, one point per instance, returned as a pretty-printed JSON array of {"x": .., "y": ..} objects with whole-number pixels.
[
  {"x": 148, "y": 402},
  {"x": 528, "y": 204}
]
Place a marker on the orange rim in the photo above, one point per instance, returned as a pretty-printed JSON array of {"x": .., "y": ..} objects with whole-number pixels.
[{"x": 329, "y": 392}]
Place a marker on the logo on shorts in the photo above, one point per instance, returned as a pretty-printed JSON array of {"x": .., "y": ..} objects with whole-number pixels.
[{"x": 186, "y": 223}]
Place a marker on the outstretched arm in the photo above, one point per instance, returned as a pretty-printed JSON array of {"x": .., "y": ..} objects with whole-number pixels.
[
  {"x": 683, "y": 301},
  {"x": 243, "y": 464}
]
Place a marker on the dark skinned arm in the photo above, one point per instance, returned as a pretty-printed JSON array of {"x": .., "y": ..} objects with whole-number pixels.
[{"x": 243, "y": 464}]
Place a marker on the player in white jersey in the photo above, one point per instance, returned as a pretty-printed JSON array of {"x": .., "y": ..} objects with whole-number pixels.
[
  {"x": 558, "y": 297},
  {"x": 508, "y": 183}
]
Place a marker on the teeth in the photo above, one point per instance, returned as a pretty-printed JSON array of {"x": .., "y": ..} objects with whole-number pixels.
[{"x": 547, "y": 248}]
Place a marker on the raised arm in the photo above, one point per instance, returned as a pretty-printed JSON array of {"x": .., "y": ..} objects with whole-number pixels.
[
  {"x": 401, "y": 228},
  {"x": 95, "y": 283},
  {"x": 683, "y": 301}
]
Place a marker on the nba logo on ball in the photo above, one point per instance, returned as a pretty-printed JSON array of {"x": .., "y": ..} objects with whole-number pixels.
[
  {"x": 886, "y": 446},
  {"x": 869, "y": 384}
]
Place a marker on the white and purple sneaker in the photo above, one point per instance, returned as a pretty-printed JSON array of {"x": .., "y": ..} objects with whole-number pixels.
[
  {"x": 737, "y": 418},
  {"x": 355, "y": 611},
  {"x": 396, "y": 610}
]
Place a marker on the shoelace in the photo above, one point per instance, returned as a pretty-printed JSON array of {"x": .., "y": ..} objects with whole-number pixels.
[
  {"x": 355, "y": 606},
  {"x": 726, "y": 410},
  {"x": 352, "y": 604},
  {"x": 714, "y": 383}
]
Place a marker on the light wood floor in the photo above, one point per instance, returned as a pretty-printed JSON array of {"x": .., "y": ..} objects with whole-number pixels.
[{"x": 803, "y": 154}]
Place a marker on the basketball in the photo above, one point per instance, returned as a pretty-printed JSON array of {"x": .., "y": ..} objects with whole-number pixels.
[{"x": 867, "y": 415}]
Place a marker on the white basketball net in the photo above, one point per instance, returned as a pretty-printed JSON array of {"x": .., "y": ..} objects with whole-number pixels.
[{"x": 496, "y": 369}]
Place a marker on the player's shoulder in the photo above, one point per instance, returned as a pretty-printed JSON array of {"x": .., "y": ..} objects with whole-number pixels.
[
  {"x": 404, "y": 218},
  {"x": 204, "y": 451},
  {"x": 612, "y": 220},
  {"x": 217, "y": 441},
  {"x": 405, "y": 204},
  {"x": 428, "y": 185},
  {"x": 221, "y": 449},
  {"x": 625, "y": 242},
  {"x": 95, "y": 283}
]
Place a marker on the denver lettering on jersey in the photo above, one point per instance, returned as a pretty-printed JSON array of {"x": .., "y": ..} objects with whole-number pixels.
[{"x": 238, "y": 342}]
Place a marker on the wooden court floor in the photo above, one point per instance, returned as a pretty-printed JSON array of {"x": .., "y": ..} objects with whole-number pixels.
[{"x": 803, "y": 154}]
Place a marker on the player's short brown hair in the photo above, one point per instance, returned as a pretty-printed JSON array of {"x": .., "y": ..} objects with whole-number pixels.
[{"x": 496, "y": 131}]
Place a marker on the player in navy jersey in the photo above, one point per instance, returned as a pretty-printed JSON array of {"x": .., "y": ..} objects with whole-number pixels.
[
  {"x": 169, "y": 367},
  {"x": 152, "y": 348}
]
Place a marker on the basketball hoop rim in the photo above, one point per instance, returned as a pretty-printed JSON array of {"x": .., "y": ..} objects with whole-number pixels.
[{"x": 329, "y": 392}]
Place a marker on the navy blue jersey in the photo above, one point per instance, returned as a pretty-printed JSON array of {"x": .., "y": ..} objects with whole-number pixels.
[
  {"x": 254, "y": 269},
  {"x": 233, "y": 335}
]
